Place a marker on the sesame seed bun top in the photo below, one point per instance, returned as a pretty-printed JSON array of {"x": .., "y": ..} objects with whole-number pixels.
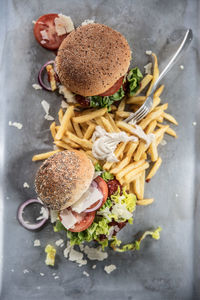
[
  {"x": 63, "y": 178},
  {"x": 92, "y": 58}
]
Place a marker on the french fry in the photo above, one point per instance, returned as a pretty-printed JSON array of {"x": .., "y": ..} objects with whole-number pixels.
[
  {"x": 162, "y": 107},
  {"x": 63, "y": 145},
  {"x": 144, "y": 156},
  {"x": 77, "y": 130},
  {"x": 53, "y": 129},
  {"x": 136, "y": 100},
  {"x": 82, "y": 142},
  {"x": 142, "y": 184},
  {"x": 107, "y": 125},
  {"x": 160, "y": 131},
  {"x": 156, "y": 102},
  {"x": 112, "y": 122},
  {"x": 140, "y": 150},
  {"x": 145, "y": 201},
  {"x": 51, "y": 75},
  {"x": 65, "y": 124},
  {"x": 45, "y": 155},
  {"x": 60, "y": 115},
  {"x": 133, "y": 174},
  {"x": 160, "y": 119},
  {"x": 169, "y": 130},
  {"x": 113, "y": 108},
  {"x": 136, "y": 186},
  {"x": 122, "y": 114},
  {"x": 159, "y": 139},
  {"x": 129, "y": 168},
  {"x": 66, "y": 140},
  {"x": 89, "y": 131},
  {"x": 150, "y": 117},
  {"x": 159, "y": 91},
  {"x": 99, "y": 122},
  {"x": 153, "y": 151},
  {"x": 144, "y": 82},
  {"x": 150, "y": 128},
  {"x": 118, "y": 151},
  {"x": 155, "y": 74},
  {"x": 90, "y": 116},
  {"x": 154, "y": 169},
  {"x": 93, "y": 159},
  {"x": 121, "y": 106},
  {"x": 170, "y": 118}
]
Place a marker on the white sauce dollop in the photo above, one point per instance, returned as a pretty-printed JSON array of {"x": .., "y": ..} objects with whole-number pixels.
[{"x": 104, "y": 143}]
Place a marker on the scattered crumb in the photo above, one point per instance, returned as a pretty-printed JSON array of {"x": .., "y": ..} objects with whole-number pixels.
[
  {"x": 53, "y": 215},
  {"x": 109, "y": 269},
  {"x": 74, "y": 255},
  {"x": 148, "y": 68},
  {"x": 148, "y": 52},
  {"x": 26, "y": 185},
  {"x": 181, "y": 67},
  {"x": 38, "y": 287},
  {"x": 44, "y": 214},
  {"x": 25, "y": 271},
  {"x": 94, "y": 267},
  {"x": 163, "y": 142},
  {"x": 12, "y": 270},
  {"x": 34, "y": 22},
  {"x": 7, "y": 198},
  {"x": 37, "y": 243},
  {"x": 36, "y": 86},
  {"x": 56, "y": 277},
  {"x": 194, "y": 123},
  {"x": 64, "y": 104},
  {"x": 86, "y": 274},
  {"x": 46, "y": 108},
  {"x": 87, "y": 21},
  {"x": 176, "y": 195},
  {"x": 95, "y": 253},
  {"x": 41, "y": 274},
  {"x": 59, "y": 243},
  {"x": 54, "y": 274},
  {"x": 15, "y": 124}
]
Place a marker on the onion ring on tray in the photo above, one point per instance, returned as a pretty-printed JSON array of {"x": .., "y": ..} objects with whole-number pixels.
[
  {"x": 25, "y": 224},
  {"x": 43, "y": 85}
]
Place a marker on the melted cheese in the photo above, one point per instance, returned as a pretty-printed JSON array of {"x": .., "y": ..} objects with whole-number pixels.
[
  {"x": 68, "y": 219},
  {"x": 63, "y": 24}
]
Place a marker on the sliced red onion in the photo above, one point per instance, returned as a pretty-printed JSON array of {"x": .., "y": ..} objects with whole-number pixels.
[
  {"x": 24, "y": 223},
  {"x": 40, "y": 76},
  {"x": 96, "y": 207},
  {"x": 94, "y": 184}
]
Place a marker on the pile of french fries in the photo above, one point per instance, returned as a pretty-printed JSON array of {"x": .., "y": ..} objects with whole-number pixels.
[{"x": 137, "y": 163}]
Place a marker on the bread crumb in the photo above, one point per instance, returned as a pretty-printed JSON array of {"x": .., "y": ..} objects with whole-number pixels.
[
  {"x": 37, "y": 243},
  {"x": 41, "y": 274},
  {"x": 86, "y": 274},
  {"x": 15, "y": 124},
  {"x": 37, "y": 86},
  {"x": 109, "y": 269},
  {"x": 194, "y": 123},
  {"x": 181, "y": 67},
  {"x": 148, "y": 52},
  {"x": 94, "y": 267},
  {"x": 26, "y": 185}
]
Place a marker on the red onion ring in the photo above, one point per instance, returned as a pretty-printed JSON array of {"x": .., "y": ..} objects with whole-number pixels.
[
  {"x": 40, "y": 76},
  {"x": 24, "y": 223}
]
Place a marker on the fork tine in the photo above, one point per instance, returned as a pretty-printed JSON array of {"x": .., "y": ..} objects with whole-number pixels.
[{"x": 140, "y": 116}]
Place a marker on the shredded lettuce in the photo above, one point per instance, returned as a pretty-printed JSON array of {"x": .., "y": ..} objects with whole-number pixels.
[
  {"x": 107, "y": 101},
  {"x": 134, "y": 77},
  {"x": 136, "y": 244},
  {"x": 58, "y": 226},
  {"x": 128, "y": 199},
  {"x": 97, "y": 167},
  {"x": 107, "y": 176},
  {"x": 50, "y": 255}
]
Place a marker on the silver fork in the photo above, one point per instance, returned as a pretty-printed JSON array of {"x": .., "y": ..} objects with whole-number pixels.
[{"x": 145, "y": 108}]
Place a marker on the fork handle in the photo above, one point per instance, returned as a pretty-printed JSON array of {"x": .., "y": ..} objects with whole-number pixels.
[{"x": 183, "y": 46}]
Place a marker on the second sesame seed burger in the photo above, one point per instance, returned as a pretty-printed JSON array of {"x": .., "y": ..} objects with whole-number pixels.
[{"x": 93, "y": 60}]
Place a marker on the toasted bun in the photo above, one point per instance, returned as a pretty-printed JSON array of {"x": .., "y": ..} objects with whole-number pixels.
[
  {"x": 63, "y": 178},
  {"x": 92, "y": 58}
]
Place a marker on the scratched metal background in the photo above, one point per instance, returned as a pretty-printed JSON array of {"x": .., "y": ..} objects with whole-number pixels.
[{"x": 165, "y": 269}]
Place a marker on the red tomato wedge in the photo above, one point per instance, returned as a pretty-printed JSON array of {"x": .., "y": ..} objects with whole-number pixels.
[
  {"x": 46, "y": 22},
  {"x": 114, "y": 88},
  {"x": 86, "y": 219},
  {"x": 103, "y": 187}
]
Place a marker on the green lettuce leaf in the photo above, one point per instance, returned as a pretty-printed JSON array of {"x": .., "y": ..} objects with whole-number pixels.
[
  {"x": 97, "y": 167},
  {"x": 134, "y": 77},
  {"x": 107, "y": 176},
  {"x": 136, "y": 244},
  {"x": 107, "y": 101},
  {"x": 58, "y": 227}
]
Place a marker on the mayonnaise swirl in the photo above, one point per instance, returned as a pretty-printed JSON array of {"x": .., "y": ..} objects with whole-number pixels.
[{"x": 105, "y": 143}]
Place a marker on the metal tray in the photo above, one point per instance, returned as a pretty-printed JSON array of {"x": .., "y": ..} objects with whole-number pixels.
[{"x": 165, "y": 269}]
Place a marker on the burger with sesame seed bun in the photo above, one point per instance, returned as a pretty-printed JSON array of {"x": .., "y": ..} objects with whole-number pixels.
[{"x": 93, "y": 62}]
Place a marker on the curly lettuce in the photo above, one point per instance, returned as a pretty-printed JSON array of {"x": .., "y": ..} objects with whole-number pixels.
[
  {"x": 107, "y": 101},
  {"x": 50, "y": 255},
  {"x": 134, "y": 77}
]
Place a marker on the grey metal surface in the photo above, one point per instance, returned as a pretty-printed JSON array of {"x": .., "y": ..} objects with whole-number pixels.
[{"x": 165, "y": 269}]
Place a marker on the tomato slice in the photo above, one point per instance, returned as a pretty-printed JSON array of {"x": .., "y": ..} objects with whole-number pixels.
[
  {"x": 103, "y": 187},
  {"x": 114, "y": 88},
  {"x": 46, "y": 22},
  {"x": 86, "y": 219}
]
